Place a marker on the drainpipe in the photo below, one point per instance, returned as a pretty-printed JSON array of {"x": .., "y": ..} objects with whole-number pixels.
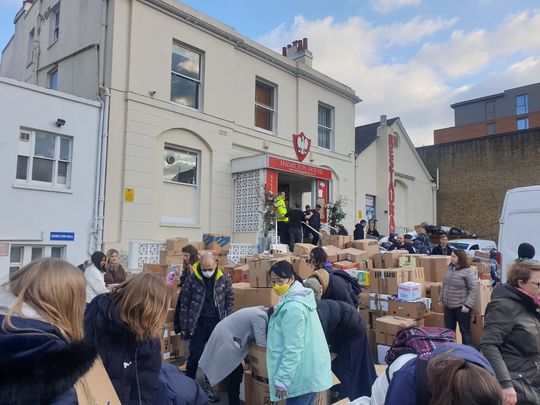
[
  {"x": 102, "y": 168},
  {"x": 434, "y": 194}
]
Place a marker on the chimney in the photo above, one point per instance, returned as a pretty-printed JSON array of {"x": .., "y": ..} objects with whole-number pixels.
[
  {"x": 298, "y": 51},
  {"x": 383, "y": 120}
]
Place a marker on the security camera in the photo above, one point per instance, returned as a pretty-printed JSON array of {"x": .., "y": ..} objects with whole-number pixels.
[
  {"x": 152, "y": 93},
  {"x": 60, "y": 122}
]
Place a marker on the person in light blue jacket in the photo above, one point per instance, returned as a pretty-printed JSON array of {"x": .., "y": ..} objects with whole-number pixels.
[{"x": 297, "y": 354}]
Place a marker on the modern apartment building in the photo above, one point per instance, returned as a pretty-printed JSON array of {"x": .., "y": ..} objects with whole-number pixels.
[{"x": 512, "y": 110}]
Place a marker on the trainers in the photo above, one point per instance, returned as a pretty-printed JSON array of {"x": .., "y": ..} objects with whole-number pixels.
[{"x": 209, "y": 391}]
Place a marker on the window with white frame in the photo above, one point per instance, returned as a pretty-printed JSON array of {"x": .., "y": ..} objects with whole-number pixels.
[
  {"x": 522, "y": 123},
  {"x": 186, "y": 76},
  {"x": 30, "y": 47},
  {"x": 53, "y": 79},
  {"x": 21, "y": 255},
  {"x": 54, "y": 23},
  {"x": 180, "y": 165},
  {"x": 44, "y": 159},
  {"x": 265, "y": 105},
  {"x": 522, "y": 104},
  {"x": 325, "y": 127}
]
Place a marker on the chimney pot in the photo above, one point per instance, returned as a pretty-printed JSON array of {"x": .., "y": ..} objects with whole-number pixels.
[
  {"x": 305, "y": 44},
  {"x": 284, "y": 51}
]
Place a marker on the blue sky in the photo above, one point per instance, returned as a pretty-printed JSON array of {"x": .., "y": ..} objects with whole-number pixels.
[{"x": 407, "y": 58}]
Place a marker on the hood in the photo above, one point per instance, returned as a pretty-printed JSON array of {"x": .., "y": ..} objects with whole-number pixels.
[
  {"x": 198, "y": 273},
  {"x": 508, "y": 292},
  {"x": 465, "y": 352},
  {"x": 96, "y": 258},
  {"x": 358, "y": 226},
  {"x": 107, "y": 318},
  {"x": 324, "y": 278},
  {"x": 7, "y": 299},
  {"x": 301, "y": 294}
]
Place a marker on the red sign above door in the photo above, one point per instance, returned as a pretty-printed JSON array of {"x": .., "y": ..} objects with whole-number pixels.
[
  {"x": 299, "y": 168},
  {"x": 301, "y": 145}
]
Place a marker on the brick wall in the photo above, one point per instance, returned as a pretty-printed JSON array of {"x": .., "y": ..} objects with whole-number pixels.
[{"x": 475, "y": 174}]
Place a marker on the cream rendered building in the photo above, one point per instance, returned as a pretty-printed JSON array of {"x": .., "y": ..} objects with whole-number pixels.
[
  {"x": 201, "y": 118},
  {"x": 394, "y": 190}
]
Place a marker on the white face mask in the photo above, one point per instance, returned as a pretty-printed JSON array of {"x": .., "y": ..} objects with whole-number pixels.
[{"x": 208, "y": 273}]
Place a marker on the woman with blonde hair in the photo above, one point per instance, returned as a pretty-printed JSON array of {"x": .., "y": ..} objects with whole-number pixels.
[
  {"x": 114, "y": 272},
  {"x": 124, "y": 326},
  {"x": 42, "y": 352}
]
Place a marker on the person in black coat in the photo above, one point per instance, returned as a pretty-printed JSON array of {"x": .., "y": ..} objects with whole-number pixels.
[
  {"x": 345, "y": 333},
  {"x": 442, "y": 248},
  {"x": 400, "y": 244},
  {"x": 124, "y": 326},
  {"x": 359, "y": 230}
]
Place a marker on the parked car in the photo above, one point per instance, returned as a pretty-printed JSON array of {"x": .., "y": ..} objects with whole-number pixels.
[
  {"x": 520, "y": 222},
  {"x": 472, "y": 245}
]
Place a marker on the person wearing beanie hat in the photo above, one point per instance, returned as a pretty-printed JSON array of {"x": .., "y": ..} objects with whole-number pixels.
[
  {"x": 94, "y": 275},
  {"x": 526, "y": 251}
]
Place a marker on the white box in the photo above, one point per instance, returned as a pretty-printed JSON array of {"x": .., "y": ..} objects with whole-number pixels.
[
  {"x": 381, "y": 353},
  {"x": 409, "y": 291}
]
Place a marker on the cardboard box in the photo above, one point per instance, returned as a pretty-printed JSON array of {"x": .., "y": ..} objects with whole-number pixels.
[
  {"x": 199, "y": 245},
  {"x": 170, "y": 315},
  {"x": 388, "y": 260},
  {"x": 303, "y": 249},
  {"x": 381, "y": 353},
  {"x": 372, "y": 338},
  {"x": 407, "y": 261},
  {"x": 156, "y": 268},
  {"x": 477, "y": 326},
  {"x": 237, "y": 274},
  {"x": 364, "y": 299},
  {"x": 386, "y": 281},
  {"x": 178, "y": 347},
  {"x": 409, "y": 291},
  {"x": 302, "y": 266},
  {"x": 345, "y": 265},
  {"x": 339, "y": 241},
  {"x": 258, "y": 272},
  {"x": 387, "y": 327},
  {"x": 175, "y": 245},
  {"x": 355, "y": 255},
  {"x": 435, "y": 267},
  {"x": 435, "y": 319},
  {"x": 332, "y": 252},
  {"x": 365, "y": 264},
  {"x": 370, "y": 246},
  {"x": 362, "y": 276},
  {"x": 482, "y": 268},
  {"x": 413, "y": 310},
  {"x": 247, "y": 296},
  {"x": 435, "y": 292},
  {"x": 481, "y": 254},
  {"x": 483, "y": 297},
  {"x": 257, "y": 359},
  {"x": 165, "y": 258},
  {"x": 379, "y": 302},
  {"x": 218, "y": 242},
  {"x": 279, "y": 248},
  {"x": 95, "y": 387}
]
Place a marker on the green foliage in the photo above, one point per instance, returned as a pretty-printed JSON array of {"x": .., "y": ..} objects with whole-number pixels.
[
  {"x": 336, "y": 213},
  {"x": 269, "y": 212}
]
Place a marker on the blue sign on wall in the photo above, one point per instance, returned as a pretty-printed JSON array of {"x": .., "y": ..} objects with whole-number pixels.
[{"x": 66, "y": 236}]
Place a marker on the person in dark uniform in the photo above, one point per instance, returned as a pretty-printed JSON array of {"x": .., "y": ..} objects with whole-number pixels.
[
  {"x": 442, "y": 248},
  {"x": 296, "y": 217}
]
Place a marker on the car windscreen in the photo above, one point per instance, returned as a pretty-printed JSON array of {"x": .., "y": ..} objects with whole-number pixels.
[{"x": 459, "y": 245}]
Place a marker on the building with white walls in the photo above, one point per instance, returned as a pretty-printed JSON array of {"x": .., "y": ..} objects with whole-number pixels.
[
  {"x": 48, "y": 159},
  {"x": 394, "y": 190}
]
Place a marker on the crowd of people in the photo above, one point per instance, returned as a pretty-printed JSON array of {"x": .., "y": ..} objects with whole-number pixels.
[{"x": 56, "y": 319}]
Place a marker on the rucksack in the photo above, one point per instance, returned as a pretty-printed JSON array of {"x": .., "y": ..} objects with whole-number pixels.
[
  {"x": 419, "y": 340},
  {"x": 355, "y": 286}
]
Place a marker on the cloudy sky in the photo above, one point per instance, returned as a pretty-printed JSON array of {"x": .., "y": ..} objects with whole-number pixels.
[{"x": 407, "y": 58}]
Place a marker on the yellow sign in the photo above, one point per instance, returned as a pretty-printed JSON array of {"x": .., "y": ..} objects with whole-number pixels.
[
  {"x": 129, "y": 194},
  {"x": 359, "y": 214}
]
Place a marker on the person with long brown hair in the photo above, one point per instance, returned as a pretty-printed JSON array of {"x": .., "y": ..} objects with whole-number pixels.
[
  {"x": 124, "y": 325},
  {"x": 114, "y": 272},
  {"x": 458, "y": 294},
  {"x": 510, "y": 339},
  {"x": 42, "y": 351}
]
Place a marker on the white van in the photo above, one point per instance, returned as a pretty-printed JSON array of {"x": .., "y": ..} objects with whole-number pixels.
[
  {"x": 472, "y": 245},
  {"x": 520, "y": 222}
]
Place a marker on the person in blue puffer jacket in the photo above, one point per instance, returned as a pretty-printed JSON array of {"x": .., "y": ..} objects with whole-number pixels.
[
  {"x": 124, "y": 325},
  {"x": 42, "y": 351}
]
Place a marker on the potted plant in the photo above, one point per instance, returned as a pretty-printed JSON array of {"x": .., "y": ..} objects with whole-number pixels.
[
  {"x": 268, "y": 219},
  {"x": 336, "y": 213}
]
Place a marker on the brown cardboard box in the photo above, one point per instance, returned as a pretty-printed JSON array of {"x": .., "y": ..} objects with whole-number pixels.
[
  {"x": 387, "y": 327},
  {"x": 339, "y": 241},
  {"x": 345, "y": 265},
  {"x": 303, "y": 249},
  {"x": 247, "y": 296},
  {"x": 95, "y": 387},
  {"x": 477, "y": 325},
  {"x": 257, "y": 359},
  {"x": 480, "y": 254},
  {"x": 258, "y": 272},
  {"x": 175, "y": 245},
  {"x": 435, "y": 291},
  {"x": 156, "y": 268},
  {"x": 259, "y": 392},
  {"x": 365, "y": 265},
  {"x": 481, "y": 268},
  {"x": 435, "y": 267},
  {"x": 483, "y": 297},
  {"x": 170, "y": 315},
  {"x": 414, "y": 310},
  {"x": 355, "y": 255},
  {"x": 178, "y": 347},
  {"x": 435, "y": 319},
  {"x": 165, "y": 258},
  {"x": 391, "y": 259},
  {"x": 372, "y": 338},
  {"x": 199, "y": 245},
  {"x": 386, "y": 281},
  {"x": 333, "y": 253},
  {"x": 302, "y": 266},
  {"x": 370, "y": 246},
  {"x": 237, "y": 274}
]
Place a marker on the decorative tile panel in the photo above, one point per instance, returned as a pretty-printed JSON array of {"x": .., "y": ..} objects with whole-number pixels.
[
  {"x": 238, "y": 250},
  {"x": 148, "y": 252},
  {"x": 247, "y": 201}
]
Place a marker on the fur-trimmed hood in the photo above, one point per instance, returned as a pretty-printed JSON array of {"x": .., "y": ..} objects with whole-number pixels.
[{"x": 37, "y": 365}]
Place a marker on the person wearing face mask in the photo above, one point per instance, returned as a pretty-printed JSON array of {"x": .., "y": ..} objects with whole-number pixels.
[
  {"x": 205, "y": 299},
  {"x": 297, "y": 356},
  {"x": 95, "y": 282}
]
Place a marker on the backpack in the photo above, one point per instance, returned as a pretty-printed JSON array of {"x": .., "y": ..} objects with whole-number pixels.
[
  {"x": 355, "y": 286},
  {"x": 419, "y": 340}
]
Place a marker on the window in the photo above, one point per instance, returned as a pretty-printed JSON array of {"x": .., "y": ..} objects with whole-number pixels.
[
  {"x": 522, "y": 123},
  {"x": 264, "y": 105},
  {"x": 491, "y": 129},
  {"x": 325, "y": 127},
  {"x": 44, "y": 158},
  {"x": 490, "y": 110},
  {"x": 185, "y": 76},
  {"x": 180, "y": 165},
  {"x": 522, "y": 104},
  {"x": 30, "y": 48},
  {"x": 53, "y": 79},
  {"x": 54, "y": 23},
  {"x": 15, "y": 258},
  {"x": 21, "y": 255}
]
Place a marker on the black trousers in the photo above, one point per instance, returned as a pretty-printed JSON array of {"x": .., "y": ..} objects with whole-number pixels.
[
  {"x": 315, "y": 239},
  {"x": 283, "y": 232},
  {"x": 235, "y": 379},
  {"x": 295, "y": 236},
  {"x": 202, "y": 333},
  {"x": 453, "y": 316}
]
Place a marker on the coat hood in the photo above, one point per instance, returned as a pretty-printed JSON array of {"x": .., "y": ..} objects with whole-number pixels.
[
  {"x": 465, "y": 352},
  {"x": 7, "y": 300},
  {"x": 509, "y": 292},
  {"x": 324, "y": 278},
  {"x": 107, "y": 317},
  {"x": 297, "y": 292}
]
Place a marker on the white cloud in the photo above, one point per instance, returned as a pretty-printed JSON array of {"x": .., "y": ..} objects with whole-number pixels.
[{"x": 388, "y": 6}]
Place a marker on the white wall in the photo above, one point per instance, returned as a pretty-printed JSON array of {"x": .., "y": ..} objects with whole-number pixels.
[{"x": 29, "y": 214}]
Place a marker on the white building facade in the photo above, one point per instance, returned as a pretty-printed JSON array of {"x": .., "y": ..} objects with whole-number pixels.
[
  {"x": 394, "y": 190},
  {"x": 49, "y": 149}
]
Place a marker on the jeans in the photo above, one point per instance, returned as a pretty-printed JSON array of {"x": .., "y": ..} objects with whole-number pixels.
[
  {"x": 295, "y": 236},
  {"x": 306, "y": 399},
  {"x": 453, "y": 316},
  {"x": 315, "y": 240},
  {"x": 202, "y": 333}
]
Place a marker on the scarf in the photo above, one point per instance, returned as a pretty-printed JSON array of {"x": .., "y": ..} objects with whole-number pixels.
[{"x": 535, "y": 299}]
